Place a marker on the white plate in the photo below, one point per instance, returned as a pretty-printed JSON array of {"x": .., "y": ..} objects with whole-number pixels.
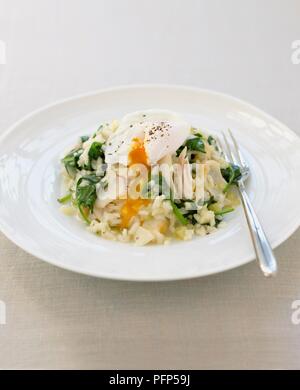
[{"x": 30, "y": 184}]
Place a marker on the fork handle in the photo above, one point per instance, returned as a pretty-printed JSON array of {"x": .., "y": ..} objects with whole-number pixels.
[{"x": 263, "y": 250}]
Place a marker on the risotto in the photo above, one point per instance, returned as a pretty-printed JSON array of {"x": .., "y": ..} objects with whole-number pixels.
[{"x": 149, "y": 178}]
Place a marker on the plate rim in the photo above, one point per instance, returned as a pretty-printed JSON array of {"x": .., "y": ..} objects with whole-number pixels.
[{"x": 49, "y": 260}]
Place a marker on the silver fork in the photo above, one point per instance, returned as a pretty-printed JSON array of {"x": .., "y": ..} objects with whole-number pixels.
[{"x": 262, "y": 247}]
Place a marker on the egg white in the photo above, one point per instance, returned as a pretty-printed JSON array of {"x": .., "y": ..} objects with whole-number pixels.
[{"x": 162, "y": 131}]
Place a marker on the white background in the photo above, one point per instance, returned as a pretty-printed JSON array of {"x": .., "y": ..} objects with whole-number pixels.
[{"x": 58, "y": 48}]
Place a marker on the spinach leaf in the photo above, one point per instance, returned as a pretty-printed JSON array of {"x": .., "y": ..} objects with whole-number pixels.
[
  {"x": 157, "y": 186},
  {"x": 211, "y": 140},
  {"x": 180, "y": 217},
  {"x": 180, "y": 149},
  {"x": 231, "y": 174},
  {"x": 92, "y": 178},
  {"x": 96, "y": 151},
  {"x": 194, "y": 144},
  {"x": 84, "y": 138},
  {"x": 187, "y": 213},
  {"x": 70, "y": 161},
  {"x": 86, "y": 194},
  {"x": 198, "y": 135}
]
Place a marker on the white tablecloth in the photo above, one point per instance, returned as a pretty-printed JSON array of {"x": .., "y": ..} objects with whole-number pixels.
[{"x": 58, "y": 48}]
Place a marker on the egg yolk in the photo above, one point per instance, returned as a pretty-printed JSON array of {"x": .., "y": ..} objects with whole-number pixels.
[
  {"x": 130, "y": 208},
  {"x": 138, "y": 154}
]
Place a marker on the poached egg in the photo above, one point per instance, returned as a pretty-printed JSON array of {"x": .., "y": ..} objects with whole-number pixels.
[{"x": 146, "y": 137}]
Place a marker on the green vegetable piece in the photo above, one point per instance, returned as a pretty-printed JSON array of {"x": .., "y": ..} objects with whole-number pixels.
[
  {"x": 195, "y": 144},
  {"x": 226, "y": 210},
  {"x": 231, "y": 174},
  {"x": 92, "y": 179},
  {"x": 179, "y": 150},
  {"x": 96, "y": 151},
  {"x": 178, "y": 214},
  {"x": 70, "y": 161},
  {"x": 65, "y": 199},
  {"x": 86, "y": 194},
  {"x": 198, "y": 135},
  {"x": 210, "y": 201},
  {"x": 84, "y": 138},
  {"x": 211, "y": 140}
]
